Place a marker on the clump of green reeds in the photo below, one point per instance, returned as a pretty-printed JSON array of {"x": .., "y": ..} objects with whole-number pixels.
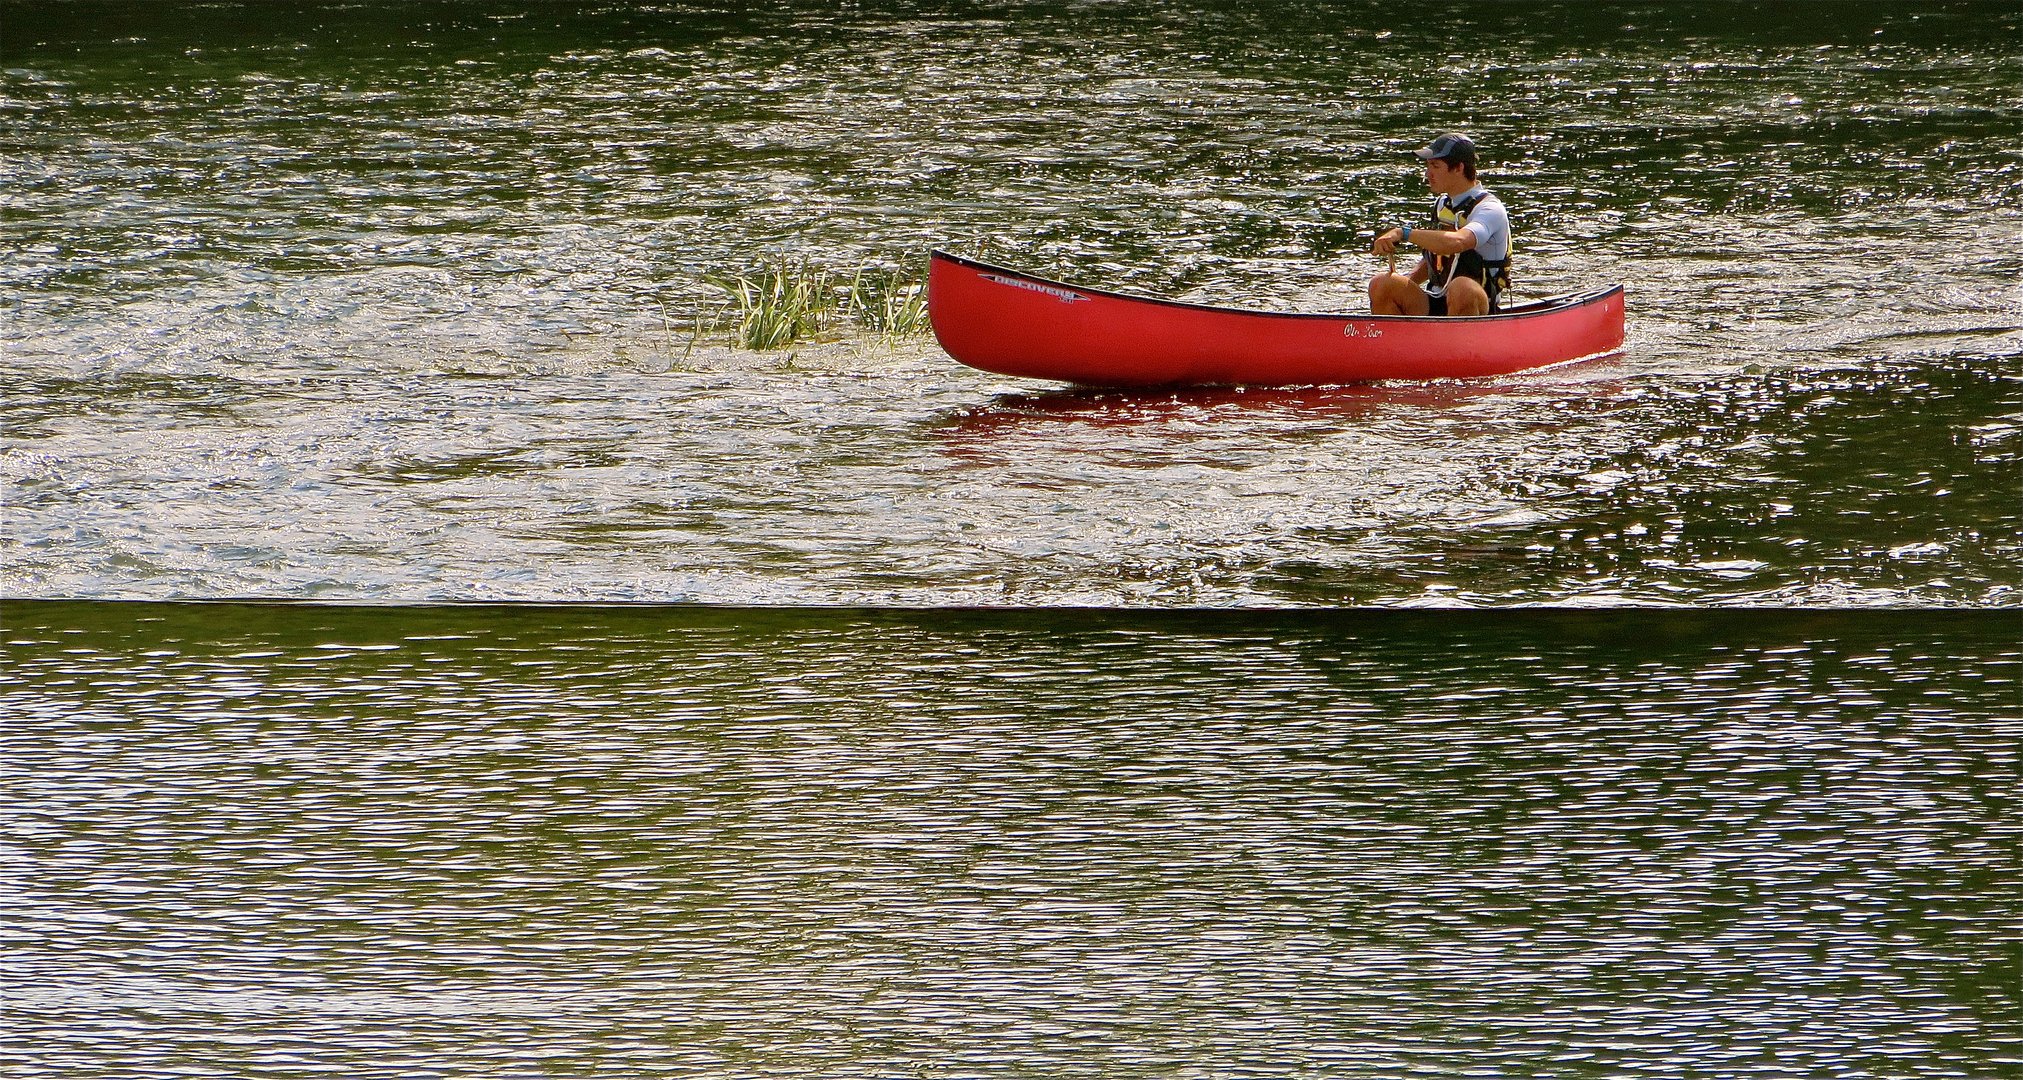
[
  {"x": 891, "y": 302},
  {"x": 785, "y": 301},
  {"x": 779, "y": 303}
]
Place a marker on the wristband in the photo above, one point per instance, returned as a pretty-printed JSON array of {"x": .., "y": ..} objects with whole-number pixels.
[{"x": 1404, "y": 234}]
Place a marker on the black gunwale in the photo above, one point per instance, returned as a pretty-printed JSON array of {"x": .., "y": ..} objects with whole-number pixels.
[{"x": 1529, "y": 310}]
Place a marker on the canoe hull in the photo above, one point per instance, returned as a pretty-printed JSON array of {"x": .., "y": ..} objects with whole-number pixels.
[{"x": 1011, "y": 323}]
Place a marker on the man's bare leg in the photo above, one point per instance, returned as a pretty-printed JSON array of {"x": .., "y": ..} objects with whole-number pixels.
[
  {"x": 1396, "y": 294},
  {"x": 1466, "y": 296}
]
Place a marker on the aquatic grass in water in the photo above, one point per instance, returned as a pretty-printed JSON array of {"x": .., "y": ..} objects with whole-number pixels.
[
  {"x": 779, "y": 304},
  {"x": 892, "y": 302},
  {"x": 784, "y": 302}
]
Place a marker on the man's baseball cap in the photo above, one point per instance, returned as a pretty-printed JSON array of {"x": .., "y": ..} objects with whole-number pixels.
[{"x": 1452, "y": 146}]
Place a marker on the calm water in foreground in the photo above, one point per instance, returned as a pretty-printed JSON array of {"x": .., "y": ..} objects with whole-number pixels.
[
  {"x": 605, "y": 842},
  {"x": 391, "y": 304}
]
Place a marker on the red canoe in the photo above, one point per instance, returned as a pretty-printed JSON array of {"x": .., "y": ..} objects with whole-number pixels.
[{"x": 1013, "y": 323}]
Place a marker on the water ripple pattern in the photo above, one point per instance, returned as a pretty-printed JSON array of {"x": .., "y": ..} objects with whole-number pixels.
[
  {"x": 395, "y": 302},
  {"x": 677, "y": 842}
]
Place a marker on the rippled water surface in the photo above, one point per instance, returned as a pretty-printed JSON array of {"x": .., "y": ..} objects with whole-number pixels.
[
  {"x": 394, "y": 301},
  {"x": 605, "y": 842},
  {"x": 939, "y": 755}
]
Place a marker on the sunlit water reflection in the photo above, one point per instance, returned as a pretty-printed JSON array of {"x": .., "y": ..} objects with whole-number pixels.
[
  {"x": 394, "y": 301},
  {"x": 601, "y": 842}
]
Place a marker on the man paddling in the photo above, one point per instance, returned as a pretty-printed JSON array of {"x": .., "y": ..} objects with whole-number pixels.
[{"x": 1467, "y": 250}]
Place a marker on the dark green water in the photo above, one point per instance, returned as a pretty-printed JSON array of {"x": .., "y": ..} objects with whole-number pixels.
[{"x": 606, "y": 842}]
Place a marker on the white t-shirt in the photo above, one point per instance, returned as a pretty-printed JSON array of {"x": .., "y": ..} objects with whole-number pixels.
[{"x": 1490, "y": 224}]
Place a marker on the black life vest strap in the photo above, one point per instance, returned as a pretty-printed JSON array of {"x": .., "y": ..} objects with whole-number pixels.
[{"x": 1494, "y": 274}]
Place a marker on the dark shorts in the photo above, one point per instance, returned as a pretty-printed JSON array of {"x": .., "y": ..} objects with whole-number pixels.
[{"x": 1437, "y": 305}]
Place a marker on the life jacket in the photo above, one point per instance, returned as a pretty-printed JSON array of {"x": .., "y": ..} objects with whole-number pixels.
[{"x": 1494, "y": 274}]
